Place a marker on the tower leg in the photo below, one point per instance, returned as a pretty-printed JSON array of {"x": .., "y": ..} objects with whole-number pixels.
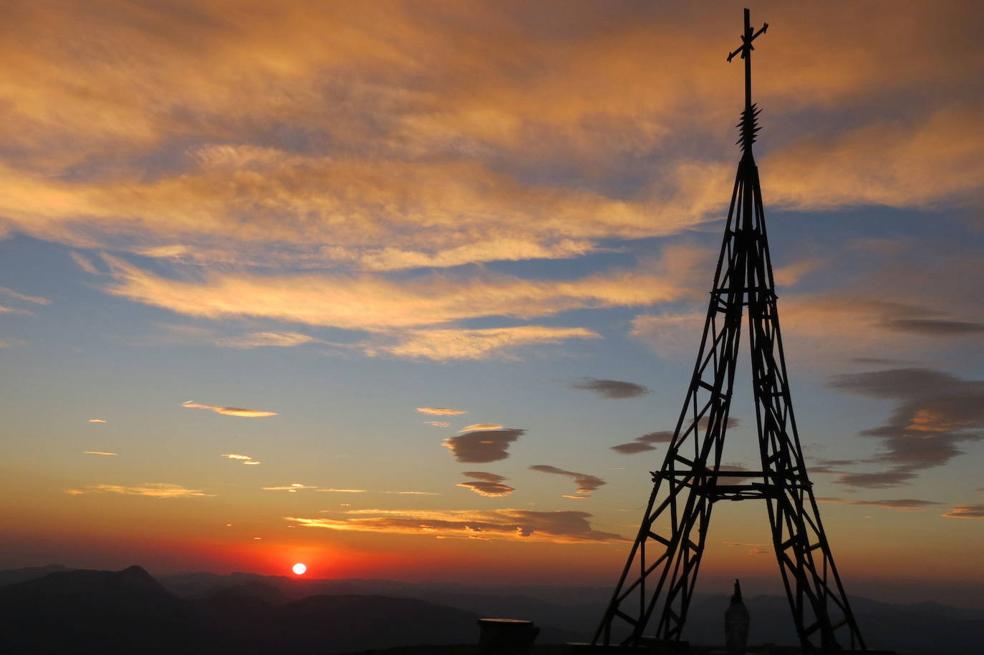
[
  {"x": 667, "y": 551},
  {"x": 821, "y": 612}
]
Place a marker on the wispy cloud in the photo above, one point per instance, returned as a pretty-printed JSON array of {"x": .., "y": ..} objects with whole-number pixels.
[
  {"x": 266, "y": 340},
  {"x": 331, "y": 490},
  {"x": 149, "y": 489},
  {"x": 84, "y": 263},
  {"x": 441, "y": 411},
  {"x": 438, "y": 424},
  {"x": 419, "y": 308},
  {"x": 486, "y": 484},
  {"x": 99, "y": 453},
  {"x": 24, "y": 297},
  {"x": 241, "y": 412},
  {"x": 97, "y": 421},
  {"x": 905, "y": 504},
  {"x": 14, "y": 310},
  {"x": 290, "y": 488},
  {"x": 472, "y": 344},
  {"x": 616, "y": 389},
  {"x": 586, "y": 483},
  {"x": 512, "y": 524},
  {"x": 867, "y": 321},
  {"x": 965, "y": 512},
  {"x": 483, "y": 446},
  {"x": 243, "y": 459},
  {"x": 477, "y": 427},
  {"x": 411, "y": 492},
  {"x": 644, "y": 443},
  {"x": 751, "y": 549}
]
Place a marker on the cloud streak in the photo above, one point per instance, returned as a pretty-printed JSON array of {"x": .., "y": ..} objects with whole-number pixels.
[
  {"x": 565, "y": 527},
  {"x": 292, "y": 488},
  {"x": 644, "y": 443},
  {"x": 266, "y": 340},
  {"x": 904, "y": 504},
  {"x": 441, "y": 411},
  {"x": 159, "y": 490},
  {"x": 472, "y": 344},
  {"x": 24, "y": 297},
  {"x": 384, "y": 304},
  {"x": 965, "y": 512},
  {"x": 242, "y": 459},
  {"x": 241, "y": 412},
  {"x": 486, "y": 484},
  {"x": 615, "y": 389},
  {"x": 586, "y": 484}
]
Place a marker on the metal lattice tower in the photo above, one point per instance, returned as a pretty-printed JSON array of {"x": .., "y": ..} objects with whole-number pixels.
[{"x": 657, "y": 583}]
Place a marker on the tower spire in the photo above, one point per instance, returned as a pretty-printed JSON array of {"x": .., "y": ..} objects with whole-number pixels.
[
  {"x": 748, "y": 127},
  {"x": 658, "y": 580}
]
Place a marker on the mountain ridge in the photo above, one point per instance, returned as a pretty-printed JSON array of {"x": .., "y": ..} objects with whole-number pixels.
[{"x": 250, "y": 613}]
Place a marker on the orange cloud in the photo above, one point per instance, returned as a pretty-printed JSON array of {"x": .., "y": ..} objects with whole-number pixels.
[
  {"x": 241, "y": 412},
  {"x": 444, "y": 344},
  {"x": 149, "y": 489},
  {"x": 99, "y": 453},
  {"x": 514, "y": 524},
  {"x": 450, "y": 148},
  {"x": 413, "y": 318},
  {"x": 441, "y": 411},
  {"x": 488, "y": 484},
  {"x": 289, "y": 488},
  {"x": 329, "y": 300},
  {"x": 243, "y": 459},
  {"x": 481, "y": 426},
  {"x": 965, "y": 512}
]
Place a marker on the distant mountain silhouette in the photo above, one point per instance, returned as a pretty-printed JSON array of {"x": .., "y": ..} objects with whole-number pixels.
[
  {"x": 129, "y": 611},
  {"x": 54, "y": 610},
  {"x": 29, "y": 573},
  {"x": 94, "y": 612}
]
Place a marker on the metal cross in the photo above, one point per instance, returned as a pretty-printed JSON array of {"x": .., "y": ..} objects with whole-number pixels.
[{"x": 745, "y": 50}]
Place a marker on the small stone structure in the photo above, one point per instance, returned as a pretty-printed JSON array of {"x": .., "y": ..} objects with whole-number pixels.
[{"x": 506, "y": 636}]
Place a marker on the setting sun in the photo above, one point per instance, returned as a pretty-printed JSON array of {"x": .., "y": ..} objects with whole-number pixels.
[{"x": 478, "y": 309}]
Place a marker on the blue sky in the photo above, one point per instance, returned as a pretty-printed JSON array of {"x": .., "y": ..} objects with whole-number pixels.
[{"x": 343, "y": 215}]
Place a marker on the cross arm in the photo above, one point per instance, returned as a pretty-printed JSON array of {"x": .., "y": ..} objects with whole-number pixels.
[{"x": 747, "y": 43}]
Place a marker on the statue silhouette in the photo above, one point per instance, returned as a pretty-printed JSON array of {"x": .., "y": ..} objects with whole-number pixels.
[{"x": 736, "y": 624}]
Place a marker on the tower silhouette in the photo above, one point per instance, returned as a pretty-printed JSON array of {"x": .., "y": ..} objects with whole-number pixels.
[{"x": 659, "y": 577}]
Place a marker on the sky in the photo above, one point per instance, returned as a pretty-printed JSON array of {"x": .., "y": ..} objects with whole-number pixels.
[{"x": 408, "y": 290}]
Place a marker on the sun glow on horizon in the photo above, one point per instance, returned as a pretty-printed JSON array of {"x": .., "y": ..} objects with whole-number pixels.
[{"x": 300, "y": 568}]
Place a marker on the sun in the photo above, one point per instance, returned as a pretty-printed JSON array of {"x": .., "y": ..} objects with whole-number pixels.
[{"x": 299, "y": 569}]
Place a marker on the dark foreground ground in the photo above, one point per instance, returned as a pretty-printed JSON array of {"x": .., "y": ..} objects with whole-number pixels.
[
  {"x": 564, "y": 649},
  {"x": 56, "y": 610}
]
